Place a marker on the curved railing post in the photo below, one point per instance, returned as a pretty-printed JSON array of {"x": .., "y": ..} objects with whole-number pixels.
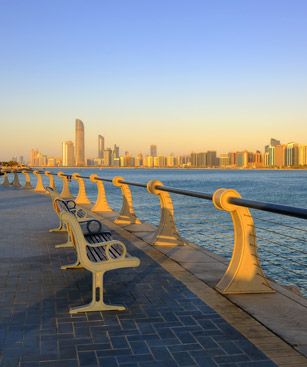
[
  {"x": 39, "y": 185},
  {"x": 51, "y": 180},
  {"x": 28, "y": 184},
  {"x": 81, "y": 197},
  {"x": 166, "y": 233},
  {"x": 101, "y": 204},
  {"x": 16, "y": 182},
  {"x": 244, "y": 273},
  {"x": 6, "y": 181},
  {"x": 126, "y": 215},
  {"x": 65, "y": 193}
]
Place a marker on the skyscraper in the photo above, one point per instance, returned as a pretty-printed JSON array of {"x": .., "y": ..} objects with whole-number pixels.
[
  {"x": 116, "y": 151},
  {"x": 292, "y": 152},
  {"x": 115, "y": 156},
  {"x": 79, "y": 144},
  {"x": 280, "y": 155},
  {"x": 100, "y": 146},
  {"x": 107, "y": 157},
  {"x": 153, "y": 151},
  {"x": 68, "y": 157}
]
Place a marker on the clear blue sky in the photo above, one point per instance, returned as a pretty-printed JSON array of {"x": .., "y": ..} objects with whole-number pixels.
[{"x": 185, "y": 75}]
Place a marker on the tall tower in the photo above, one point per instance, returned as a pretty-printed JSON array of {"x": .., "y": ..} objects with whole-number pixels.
[
  {"x": 79, "y": 143},
  {"x": 100, "y": 146},
  {"x": 153, "y": 151}
]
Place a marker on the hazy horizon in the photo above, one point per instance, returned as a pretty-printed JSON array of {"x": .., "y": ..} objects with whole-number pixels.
[{"x": 186, "y": 76}]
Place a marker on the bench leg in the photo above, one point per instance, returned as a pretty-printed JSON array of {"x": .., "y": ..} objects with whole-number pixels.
[
  {"x": 58, "y": 229},
  {"x": 75, "y": 265},
  {"x": 65, "y": 245},
  {"x": 97, "y": 303}
]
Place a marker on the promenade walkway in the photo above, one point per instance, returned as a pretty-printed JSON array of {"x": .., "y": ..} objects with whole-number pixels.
[{"x": 165, "y": 323}]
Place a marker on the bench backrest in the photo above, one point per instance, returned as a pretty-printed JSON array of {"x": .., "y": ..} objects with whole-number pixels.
[
  {"x": 54, "y": 195},
  {"x": 76, "y": 234},
  {"x": 61, "y": 205}
]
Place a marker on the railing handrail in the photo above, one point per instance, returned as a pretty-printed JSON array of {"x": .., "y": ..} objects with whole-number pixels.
[
  {"x": 195, "y": 194},
  {"x": 286, "y": 210},
  {"x": 290, "y": 211},
  {"x": 137, "y": 184}
]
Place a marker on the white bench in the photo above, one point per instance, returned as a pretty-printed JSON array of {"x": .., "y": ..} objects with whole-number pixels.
[{"x": 98, "y": 258}]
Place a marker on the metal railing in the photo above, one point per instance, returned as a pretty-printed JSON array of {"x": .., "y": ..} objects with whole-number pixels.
[{"x": 281, "y": 242}]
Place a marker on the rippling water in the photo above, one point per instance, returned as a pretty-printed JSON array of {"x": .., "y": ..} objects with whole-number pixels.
[{"x": 282, "y": 241}]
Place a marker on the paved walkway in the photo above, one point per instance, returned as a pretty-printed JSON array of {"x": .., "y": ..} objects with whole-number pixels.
[{"x": 165, "y": 324}]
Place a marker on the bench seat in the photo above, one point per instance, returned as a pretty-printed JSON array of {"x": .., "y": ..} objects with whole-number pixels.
[{"x": 97, "y": 254}]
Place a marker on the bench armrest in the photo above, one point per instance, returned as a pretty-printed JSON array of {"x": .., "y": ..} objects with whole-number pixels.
[
  {"x": 108, "y": 245},
  {"x": 88, "y": 223},
  {"x": 68, "y": 202}
]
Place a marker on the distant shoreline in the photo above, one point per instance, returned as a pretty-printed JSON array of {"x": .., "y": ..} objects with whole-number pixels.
[{"x": 181, "y": 168}]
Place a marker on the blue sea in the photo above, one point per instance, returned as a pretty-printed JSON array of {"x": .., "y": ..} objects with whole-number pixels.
[{"x": 282, "y": 241}]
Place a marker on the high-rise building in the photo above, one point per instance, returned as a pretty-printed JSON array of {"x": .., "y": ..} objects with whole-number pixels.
[
  {"x": 258, "y": 160},
  {"x": 153, "y": 151},
  {"x": 302, "y": 155},
  {"x": 224, "y": 160},
  {"x": 274, "y": 142},
  {"x": 139, "y": 160},
  {"x": 116, "y": 151},
  {"x": 100, "y": 146},
  {"x": 68, "y": 157},
  {"x": 199, "y": 159},
  {"x": 292, "y": 154},
  {"x": 280, "y": 155},
  {"x": 211, "y": 158},
  {"x": 33, "y": 157},
  {"x": 232, "y": 158},
  {"x": 79, "y": 144},
  {"x": 271, "y": 151},
  {"x": 170, "y": 161},
  {"x": 149, "y": 161},
  {"x": 107, "y": 157},
  {"x": 245, "y": 159}
]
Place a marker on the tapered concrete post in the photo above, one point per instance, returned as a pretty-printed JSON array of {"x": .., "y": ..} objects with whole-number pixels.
[
  {"x": 126, "y": 215},
  {"x": 244, "y": 273},
  {"x": 27, "y": 185},
  {"x": 6, "y": 181},
  {"x": 16, "y": 182},
  {"x": 39, "y": 185},
  {"x": 82, "y": 196},
  {"x": 101, "y": 204},
  {"x": 65, "y": 193},
  {"x": 51, "y": 180},
  {"x": 166, "y": 233}
]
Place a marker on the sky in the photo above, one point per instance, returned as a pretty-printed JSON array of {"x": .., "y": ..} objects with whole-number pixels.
[{"x": 186, "y": 75}]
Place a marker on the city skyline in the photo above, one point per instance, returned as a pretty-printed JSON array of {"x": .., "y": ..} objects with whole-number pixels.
[
  {"x": 276, "y": 154},
  {"x": 224, "y": 75},
  {"x": 102, "y": 142}
]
